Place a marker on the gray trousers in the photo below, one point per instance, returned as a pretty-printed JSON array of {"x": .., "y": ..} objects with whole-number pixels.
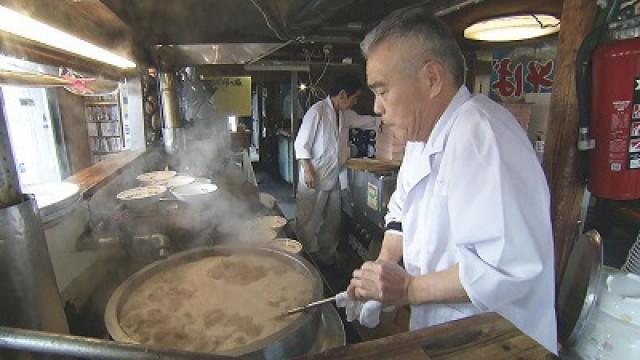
[{"x": 318, "y": 220}]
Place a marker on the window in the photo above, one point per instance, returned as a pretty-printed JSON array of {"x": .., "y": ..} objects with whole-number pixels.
[{"x": 32, "y": 134}]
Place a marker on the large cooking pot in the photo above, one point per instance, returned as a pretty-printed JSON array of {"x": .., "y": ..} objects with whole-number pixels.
[{"x": 296, "y": 338}]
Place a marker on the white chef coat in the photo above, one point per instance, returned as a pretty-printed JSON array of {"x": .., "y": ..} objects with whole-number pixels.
[
  {"x": 474, "y": 194},
  {"x": 327, "y": 145}
]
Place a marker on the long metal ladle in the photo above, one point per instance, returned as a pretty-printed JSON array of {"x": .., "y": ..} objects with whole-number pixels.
[{"x": 310, "y": 305}]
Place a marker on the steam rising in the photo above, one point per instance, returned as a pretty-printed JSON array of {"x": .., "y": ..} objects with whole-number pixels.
[{"x": 232, "y": 212}]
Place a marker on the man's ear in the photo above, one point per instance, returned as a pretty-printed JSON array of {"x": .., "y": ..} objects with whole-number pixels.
[{"x": 431, "y": 77}]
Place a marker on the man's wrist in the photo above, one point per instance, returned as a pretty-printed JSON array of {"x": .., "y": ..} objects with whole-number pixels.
[{"x": 419, "y": 290}]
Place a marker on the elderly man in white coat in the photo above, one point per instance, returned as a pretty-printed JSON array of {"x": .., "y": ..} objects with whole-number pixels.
[
  {"x": 322, "y": 146},
  {"x": 470, "y": 215}
]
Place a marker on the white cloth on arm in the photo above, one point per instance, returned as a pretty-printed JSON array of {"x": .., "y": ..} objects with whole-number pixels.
[
  {"x": 475, "y": 195},
  {"x": 367, "y": 313}
]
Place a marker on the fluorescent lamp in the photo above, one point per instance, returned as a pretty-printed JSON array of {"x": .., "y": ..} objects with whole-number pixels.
[
  {"x": 512, "y": 28},
  {"x": 26, "y": 27}
]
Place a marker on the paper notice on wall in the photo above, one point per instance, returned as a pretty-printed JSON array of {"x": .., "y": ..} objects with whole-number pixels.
[{"x": 232, "y": 95}]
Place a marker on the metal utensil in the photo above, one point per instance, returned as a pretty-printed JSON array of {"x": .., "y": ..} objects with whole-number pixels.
[{"x": 310, "y": 305}]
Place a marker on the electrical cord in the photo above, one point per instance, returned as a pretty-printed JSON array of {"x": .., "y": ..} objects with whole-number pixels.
[
  {"x": 542, "y": 25},
  {"x": 315, "y": 91},
  {"x": 267, "y": 20}
]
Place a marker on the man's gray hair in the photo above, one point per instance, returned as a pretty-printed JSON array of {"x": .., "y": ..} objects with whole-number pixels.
[{"x": 426, "y": 30}]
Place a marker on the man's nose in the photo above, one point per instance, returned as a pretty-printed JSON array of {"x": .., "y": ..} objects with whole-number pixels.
[{"x": 378, "y": 108}]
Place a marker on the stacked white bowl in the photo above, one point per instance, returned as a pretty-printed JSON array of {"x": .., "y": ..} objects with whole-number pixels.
[{"x": 632, "y": 265}]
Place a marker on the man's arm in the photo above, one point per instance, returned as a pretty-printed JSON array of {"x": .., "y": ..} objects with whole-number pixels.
[
  {"x": 304, "y": 145},
  {"x": 438, "y": 287},
  {"x": 389, "y": 283},
  {"x": 309, "y": 173},
  {"x": 354, "y": 120},
  {"x": 391, "y": 250}
]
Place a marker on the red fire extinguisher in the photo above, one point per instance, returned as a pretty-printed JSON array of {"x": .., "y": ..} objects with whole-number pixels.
[{"x": 615, "y": 121}]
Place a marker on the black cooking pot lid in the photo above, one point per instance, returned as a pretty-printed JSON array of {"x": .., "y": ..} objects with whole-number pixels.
[{"x": 580, "y": 286}]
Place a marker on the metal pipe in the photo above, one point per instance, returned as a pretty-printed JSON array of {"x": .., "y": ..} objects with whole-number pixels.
[
  {"x": 294, "y": 131},
  {"x": 172, "y": 131},
  {"x": 90, "y": 348},
  {"x": 10, "y": 193},
  {"x": 30, "y": 296},
  {"x": 169, "y": 99}
]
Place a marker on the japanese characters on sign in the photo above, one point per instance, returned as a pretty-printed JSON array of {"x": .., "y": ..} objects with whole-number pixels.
[{"x": 516, "y": 72}]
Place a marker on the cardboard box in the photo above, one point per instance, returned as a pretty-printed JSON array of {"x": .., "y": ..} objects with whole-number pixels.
[
  {"x": 521, "y": 111},
  {"x": 390, "y": 143}
]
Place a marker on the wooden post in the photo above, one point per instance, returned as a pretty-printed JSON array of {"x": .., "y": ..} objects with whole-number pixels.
[{"x": 564, "y": 165}]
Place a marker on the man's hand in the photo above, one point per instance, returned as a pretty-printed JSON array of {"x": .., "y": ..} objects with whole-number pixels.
[
  {"x": 309, "y": 174},
  {"x": 381, "y": 280}
]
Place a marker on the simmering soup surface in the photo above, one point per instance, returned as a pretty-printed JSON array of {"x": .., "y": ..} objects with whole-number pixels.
[{"x": 215, "y": 304}]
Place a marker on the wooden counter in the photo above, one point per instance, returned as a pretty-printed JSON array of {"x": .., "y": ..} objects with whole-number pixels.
[
  {"x": 484, "y": 336},
  {"x": 90, "y": 179}
]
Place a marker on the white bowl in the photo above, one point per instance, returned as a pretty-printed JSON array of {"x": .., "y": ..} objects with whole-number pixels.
[
  {"x": 141, "y": 192},
  {"x": 55, "y": 200},
  {"x": 272, "y": 222},
  {"x": 613, "y": 330},
  {"x": 288, "y": 245},
  {"x": 178, "y": 180},
  {"x": 155, "y": 176},
  {"x": 194, "y": 192}
]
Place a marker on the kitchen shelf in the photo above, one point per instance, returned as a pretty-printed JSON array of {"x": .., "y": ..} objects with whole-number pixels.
[{"x": 104, "y": 126}]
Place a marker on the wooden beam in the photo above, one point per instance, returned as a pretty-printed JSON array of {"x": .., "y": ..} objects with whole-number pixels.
[{"x": 563, "y": 163}]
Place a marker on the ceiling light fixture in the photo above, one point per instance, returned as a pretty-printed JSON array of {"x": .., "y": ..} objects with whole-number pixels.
[
  {"x": 512, "y": 28},
  {"x": 26, "y": 27}
]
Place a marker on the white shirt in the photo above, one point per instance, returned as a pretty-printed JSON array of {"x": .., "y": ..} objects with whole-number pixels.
[
  {"x": 474, "y": 195},
  {"x": 327, "y": 145}
]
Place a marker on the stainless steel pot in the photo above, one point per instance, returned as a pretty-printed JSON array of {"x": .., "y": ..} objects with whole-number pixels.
[{"x": 295, "y": 339}]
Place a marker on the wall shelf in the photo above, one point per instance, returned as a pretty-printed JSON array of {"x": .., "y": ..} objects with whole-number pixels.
[{"x": 104, "y": 126}]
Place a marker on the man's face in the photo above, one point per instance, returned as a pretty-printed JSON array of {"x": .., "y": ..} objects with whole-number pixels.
[
  {"x": 400, "y": 94},
  {"x": 346, "y": 102}
]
